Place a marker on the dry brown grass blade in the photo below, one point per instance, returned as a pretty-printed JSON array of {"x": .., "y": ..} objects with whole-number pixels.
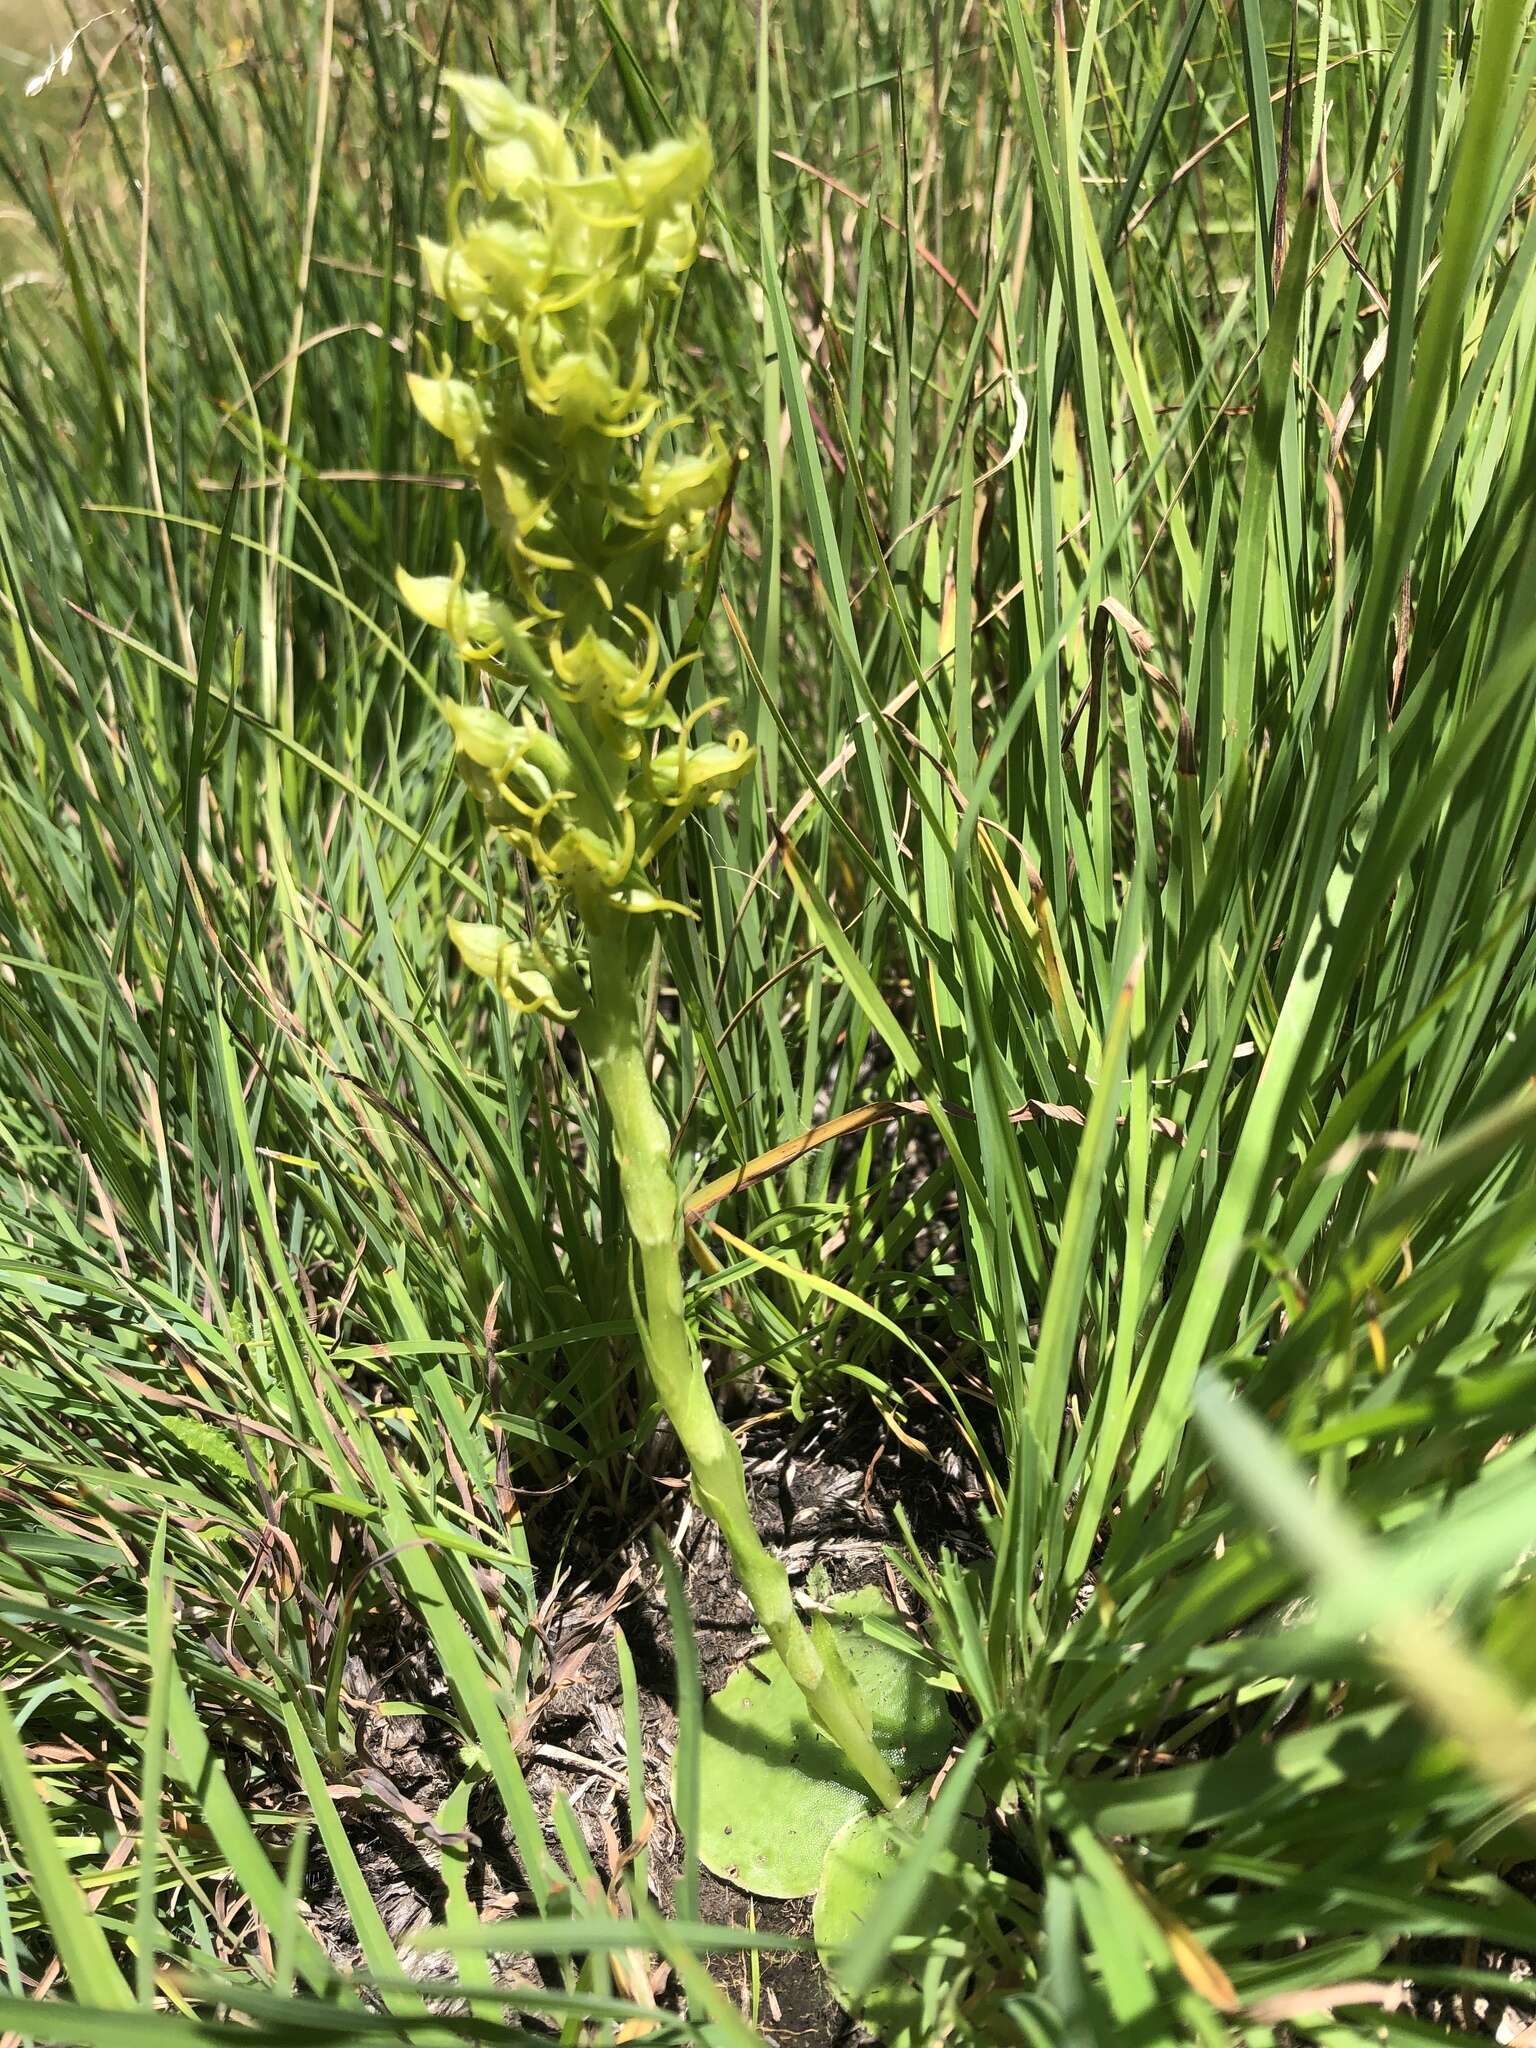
[
  {"x": 777, "y": 1157},
  {"x": 1325, "y": 2000}
]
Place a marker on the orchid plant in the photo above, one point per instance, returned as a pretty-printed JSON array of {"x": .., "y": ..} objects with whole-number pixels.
[{"x": 562, "y": 256}]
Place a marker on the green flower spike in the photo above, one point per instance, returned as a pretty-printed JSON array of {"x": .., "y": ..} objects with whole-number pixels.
[{"x": 561, "y": 255}]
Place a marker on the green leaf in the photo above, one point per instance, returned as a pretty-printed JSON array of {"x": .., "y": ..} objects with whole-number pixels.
[{"x": 773, "y": 1789}]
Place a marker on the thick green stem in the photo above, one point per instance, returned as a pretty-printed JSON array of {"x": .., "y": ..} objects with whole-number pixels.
[{"x": 614, "y": 1043}]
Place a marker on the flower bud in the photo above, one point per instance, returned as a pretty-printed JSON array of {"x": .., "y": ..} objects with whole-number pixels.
[
  {"x": 481, "y": 735},
  {"x": 498, "y": 116},
  {"x": 669, "y": 176},
  {"x": 478, "y": 624},
  {"x": 453, "y": 408}
]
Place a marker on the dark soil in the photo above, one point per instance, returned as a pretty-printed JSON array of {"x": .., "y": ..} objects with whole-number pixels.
[
  {"x": 825, "y": 1501},
  {"x": 822, "y": 1497}
]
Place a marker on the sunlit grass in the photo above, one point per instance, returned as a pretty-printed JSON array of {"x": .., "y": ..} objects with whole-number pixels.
[{"x": 1131, "y": 589}]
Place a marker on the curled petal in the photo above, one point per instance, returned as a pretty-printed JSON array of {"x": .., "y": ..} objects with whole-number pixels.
[{"x": 693, "y": 776}]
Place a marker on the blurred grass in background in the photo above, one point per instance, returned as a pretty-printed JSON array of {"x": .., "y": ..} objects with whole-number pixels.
[{"x": 1131, "y": 588}]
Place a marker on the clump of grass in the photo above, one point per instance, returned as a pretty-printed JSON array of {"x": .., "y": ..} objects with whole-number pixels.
[{"x": 1130, "y": 595}]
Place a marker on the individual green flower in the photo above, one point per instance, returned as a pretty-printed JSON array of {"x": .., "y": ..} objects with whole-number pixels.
[
  {"x": 522, "y": 974},
  {"x": 584, "y": 387},
  {"x": 653, "y": 186},
  {"x": 524, "y": 520},
  {"x": 494, "y": 743},
  {"x": 667, "y": 492},
  {"x": 610, "y": 680},
  {"x": 674, "y": 245},
  {"x": 696, "y": 776},
  {"x": 512, "y": 263},
  {"x": 453, "y": 407},
  {"x": 482, "y": 737},
  {"x": 593, "y": 867},
  {"x": 455, "y": 279},
  {"x": 478, "y": 624}
]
